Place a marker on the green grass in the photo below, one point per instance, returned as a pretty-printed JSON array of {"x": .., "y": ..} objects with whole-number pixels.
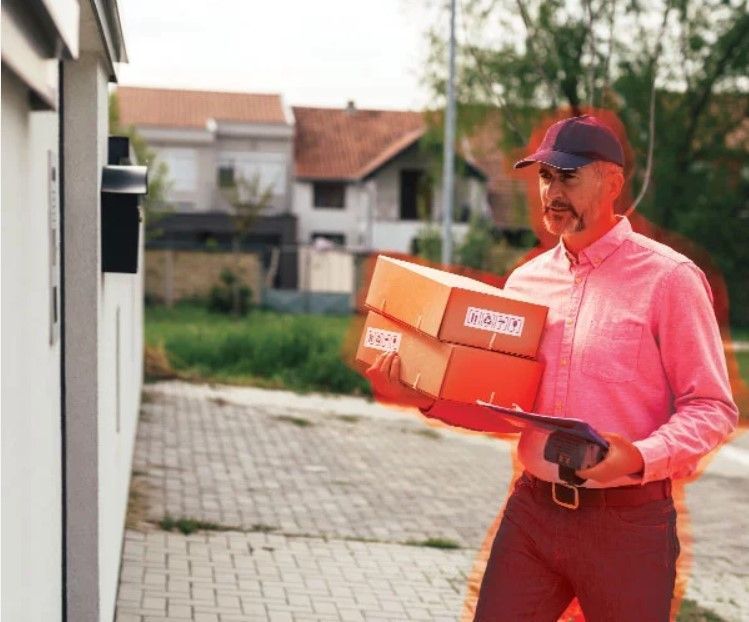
[
  {"x": 690, "y": 611},
  {"x": 300, "y": 422},
  {"x": 297, "y": 352},
  {"x": 435, "y": 543},
  {"x": 190, "y": 525}
]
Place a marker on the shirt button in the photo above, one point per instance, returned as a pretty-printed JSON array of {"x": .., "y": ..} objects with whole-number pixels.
[
  {"x": 563, "y": 362},
  {"x": 568, "y": 321},
  {"x": 578, "y": 280}
]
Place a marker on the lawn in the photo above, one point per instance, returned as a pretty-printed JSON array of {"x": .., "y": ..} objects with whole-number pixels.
[
  {"x": 297, "y": 352},
  {"x": 268, "y": 349}
]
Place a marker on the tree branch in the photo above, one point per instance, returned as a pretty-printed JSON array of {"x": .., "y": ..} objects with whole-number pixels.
[
  {"x": 651, "y": 120},
  {"x": 699, "y": 103}
]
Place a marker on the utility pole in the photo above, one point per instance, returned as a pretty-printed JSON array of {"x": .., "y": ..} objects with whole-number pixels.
[{"x": 448, "y": 164}]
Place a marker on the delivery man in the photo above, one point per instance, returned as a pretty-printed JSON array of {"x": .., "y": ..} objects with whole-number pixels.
[{"x": 632, "y": 347}]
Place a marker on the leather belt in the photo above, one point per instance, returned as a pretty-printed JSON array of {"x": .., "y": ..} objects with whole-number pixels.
[{"x": 573, "y": 497}]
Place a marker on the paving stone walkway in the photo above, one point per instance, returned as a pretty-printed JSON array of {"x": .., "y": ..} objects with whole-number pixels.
[{"x": 318, "y": 508}]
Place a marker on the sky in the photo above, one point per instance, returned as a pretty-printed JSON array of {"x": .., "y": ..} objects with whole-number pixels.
[{"x": 314, "y": 53}]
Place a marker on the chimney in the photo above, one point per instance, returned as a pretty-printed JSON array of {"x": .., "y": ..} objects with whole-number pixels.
[{"x": 351, "y": 107}]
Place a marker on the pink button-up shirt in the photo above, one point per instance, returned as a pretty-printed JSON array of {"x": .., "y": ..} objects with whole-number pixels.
[{"x": 631, "y": 346}]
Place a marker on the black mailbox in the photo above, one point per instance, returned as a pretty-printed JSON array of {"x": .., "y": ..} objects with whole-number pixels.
[{"x": 122, "y": 185}]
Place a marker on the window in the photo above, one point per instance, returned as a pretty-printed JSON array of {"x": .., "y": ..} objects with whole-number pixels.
[
  {"x": 329, "y": 195},
  {"x": 415, "y": 195},
  {"x": 226, "y": 176},
  {"x": 183, "y": 168}
]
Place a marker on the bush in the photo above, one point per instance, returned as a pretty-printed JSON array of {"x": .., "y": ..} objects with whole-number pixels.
[
  {"x": 428, "y": 243},
  {"x": 222, "y": 297},
  {"x": 475, "y": 249}
]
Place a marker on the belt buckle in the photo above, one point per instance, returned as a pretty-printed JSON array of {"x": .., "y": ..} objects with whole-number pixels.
[{"x": 575, "y": 497}]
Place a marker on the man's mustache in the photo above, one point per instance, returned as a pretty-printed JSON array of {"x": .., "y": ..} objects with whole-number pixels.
[{"x": 558, "y": 205}]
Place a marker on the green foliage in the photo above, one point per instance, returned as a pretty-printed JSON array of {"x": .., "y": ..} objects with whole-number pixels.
[
  {"x": 190, "y": 525},
  {"x": 436, "y": 543},
  {"x": 428, "y": 243},
  {"x": 247, "y": 197},
  {"x": 230, "y": 296},
  {"x": 475, "y": 249},
  {"x": 298, "y": 352},
  {"x": 527, "y": 59},
  {"x": 691, "y": 611}
]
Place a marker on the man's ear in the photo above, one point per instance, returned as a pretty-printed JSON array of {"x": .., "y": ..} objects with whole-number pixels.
[{"x": 615, "y": 183}]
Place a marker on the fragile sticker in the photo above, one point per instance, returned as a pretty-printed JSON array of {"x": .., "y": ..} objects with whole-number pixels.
[
  {"x": 494, "y": 321},
  {"x": 385, "y": 340}
]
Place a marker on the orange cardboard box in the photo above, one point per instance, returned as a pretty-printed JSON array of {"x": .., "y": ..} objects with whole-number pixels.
[
  {"x": 453, "y": 308},
  {"x": 451, "y": 371}
]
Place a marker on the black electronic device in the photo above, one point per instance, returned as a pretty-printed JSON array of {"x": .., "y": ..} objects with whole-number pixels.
[{"x": 572, "y": 444}]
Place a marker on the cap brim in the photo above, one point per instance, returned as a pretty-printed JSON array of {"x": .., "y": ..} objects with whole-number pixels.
[{"x": 557, "y": 159}]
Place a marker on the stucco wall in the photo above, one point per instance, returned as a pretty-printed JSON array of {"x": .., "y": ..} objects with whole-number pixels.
[
  {"x": 174, "y": 275},
  {"x": 207, "y": 148},
  {"x": 31, "y": 430},
  {"x": 349, "y": 221},
  {"x": 103, "y": 367}
]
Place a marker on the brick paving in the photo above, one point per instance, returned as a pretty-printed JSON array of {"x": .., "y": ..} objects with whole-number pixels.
[{"x": 319, "y": 501}]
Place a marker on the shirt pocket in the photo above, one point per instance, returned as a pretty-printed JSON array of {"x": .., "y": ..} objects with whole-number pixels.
[{"x": 612, "y": 351}]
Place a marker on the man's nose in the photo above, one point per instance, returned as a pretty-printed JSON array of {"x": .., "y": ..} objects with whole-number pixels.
[{"x": 554, "y": 190}]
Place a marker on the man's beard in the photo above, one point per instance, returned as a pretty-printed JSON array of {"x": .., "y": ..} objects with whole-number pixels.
[{"x": 560, "y": 218}]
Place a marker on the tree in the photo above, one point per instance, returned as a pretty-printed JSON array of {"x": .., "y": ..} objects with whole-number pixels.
[
  {"x": 676, "y": 74},
  {"x": 475, "y": 249},
  {"x": 154, "y": 203},
  {"x": 247, "y": 198}
]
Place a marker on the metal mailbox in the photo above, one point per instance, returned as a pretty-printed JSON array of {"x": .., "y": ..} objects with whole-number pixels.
[{"x": 122, "y": 185}]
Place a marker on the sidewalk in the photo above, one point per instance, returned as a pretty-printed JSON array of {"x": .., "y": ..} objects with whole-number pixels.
[{"x": 318, "y": 509}]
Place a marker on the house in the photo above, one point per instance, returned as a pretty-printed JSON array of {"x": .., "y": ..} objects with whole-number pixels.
[
  {"x": 72, "y": 336},
  {"x": 210, "y": 141},
  {"x": 357, "y": 178},
  {"x": 362, "y": 180}
]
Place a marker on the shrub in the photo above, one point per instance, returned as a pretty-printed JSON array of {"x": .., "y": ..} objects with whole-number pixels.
[{"x": 230, "y": 296}]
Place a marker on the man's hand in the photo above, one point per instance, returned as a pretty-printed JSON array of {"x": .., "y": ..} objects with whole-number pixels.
[
  {"x": 623, "y": 459},
  {"x": 385, "y": 376}
]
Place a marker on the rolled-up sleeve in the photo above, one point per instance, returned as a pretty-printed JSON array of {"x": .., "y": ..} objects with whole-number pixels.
[{"x": 692, "y": 355}]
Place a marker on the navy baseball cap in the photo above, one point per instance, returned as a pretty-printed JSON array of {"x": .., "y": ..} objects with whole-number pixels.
[{"x": 575, "y": 142}]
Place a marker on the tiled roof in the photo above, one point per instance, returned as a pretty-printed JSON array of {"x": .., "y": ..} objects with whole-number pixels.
[
  {"x": 179, "y": 108},
  {"x": 349, "y": 144}
]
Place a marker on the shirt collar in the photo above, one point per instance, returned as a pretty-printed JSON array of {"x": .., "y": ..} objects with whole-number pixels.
[{"x": 599, "y": 250}]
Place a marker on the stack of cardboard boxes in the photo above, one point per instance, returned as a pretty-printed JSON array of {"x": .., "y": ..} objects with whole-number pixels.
[{"x": 458, "y": 339}]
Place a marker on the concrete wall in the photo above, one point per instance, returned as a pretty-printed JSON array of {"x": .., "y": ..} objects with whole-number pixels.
[
  {"x": 326, "y": 270},
  {"x": 31, "y": 425},
  {"x": 103, "y": 366},
  {"x": 174, "y": 275}
]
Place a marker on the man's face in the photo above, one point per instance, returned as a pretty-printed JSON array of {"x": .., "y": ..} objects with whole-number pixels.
[{"x": 571, "y": 199}]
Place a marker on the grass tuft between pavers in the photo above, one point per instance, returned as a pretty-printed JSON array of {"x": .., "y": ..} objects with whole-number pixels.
[
  {"x": 191, "y": 525},
  {"x": 435, "y": 543},
  {"x": 300, "y": 422},
  {"x": 691, "y": 611}
]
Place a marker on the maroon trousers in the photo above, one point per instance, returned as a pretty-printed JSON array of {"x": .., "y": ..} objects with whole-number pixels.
[{"x": 620, "y": 562}]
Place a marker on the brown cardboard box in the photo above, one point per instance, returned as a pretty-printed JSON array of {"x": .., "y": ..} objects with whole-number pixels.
[
  {"x": 451, "y": 371},
  {"x": 454, "y": 308}
]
